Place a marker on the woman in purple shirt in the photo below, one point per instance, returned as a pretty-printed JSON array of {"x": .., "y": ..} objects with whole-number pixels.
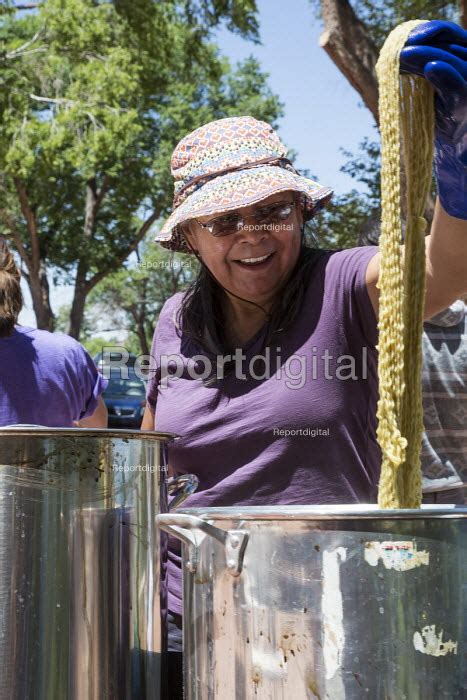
[
  {"x": 266, "y": 367},
  {"x": 45, "y": 378}
]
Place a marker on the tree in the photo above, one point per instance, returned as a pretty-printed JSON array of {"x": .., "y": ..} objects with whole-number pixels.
[
  {"x": 353, "y": 35},
  {"x": 94, "y": 98},
  {"x": 353, "y": 218},
  {"x": 97, "y": 344},
  {"x": 132, "y": 297},
  {"x": 92, "y": 341}
]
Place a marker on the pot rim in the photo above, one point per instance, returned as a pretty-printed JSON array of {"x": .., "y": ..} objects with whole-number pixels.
[
  {"x": 44, "y": 431},
  {"x": 360, "y": 511}
]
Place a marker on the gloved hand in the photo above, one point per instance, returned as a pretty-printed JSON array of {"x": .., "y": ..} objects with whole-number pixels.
[{"x": 438, "y": 51}]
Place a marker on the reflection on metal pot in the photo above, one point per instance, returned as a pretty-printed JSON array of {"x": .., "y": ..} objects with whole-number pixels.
[
  {"x": 82, "y": 592},
  {"x": 314, "y": 602}
]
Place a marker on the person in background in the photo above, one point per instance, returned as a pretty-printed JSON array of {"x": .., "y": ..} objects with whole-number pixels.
[
  {"x": 444, "y": 443},
  {"x": 45, "y": 378}
]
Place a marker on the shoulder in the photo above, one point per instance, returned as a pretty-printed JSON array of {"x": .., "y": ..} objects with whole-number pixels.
[
  {"x": 346, "y": 269},
  {"x": 342, "y": 284},
  {"x": 168, "y": 313},
  {"x": 173, "y": 303},
  {"x": 60, "y": 344},
  {"x": 355, "y": 271},
  {"x": 348, "y": 261}
]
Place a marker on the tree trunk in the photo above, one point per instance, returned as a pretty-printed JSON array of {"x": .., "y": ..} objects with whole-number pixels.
[
  {"x": 40, "y": 294},
  {"x": 93, "y": 201},
  {"x": 79, "y": 301},
  {"x": 138, "y": 312},
  {"x": 31, "y": 257},
  {"x": 83, "y": 284},
  {"x": 346, "y": 41},
  {"x": 143, "y": 341},
  {"x": 141, "y": 322},
  {"x": 463, "y": 13}
]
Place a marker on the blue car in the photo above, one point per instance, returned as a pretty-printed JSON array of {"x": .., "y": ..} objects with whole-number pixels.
[{"x": 125, "y": 400}]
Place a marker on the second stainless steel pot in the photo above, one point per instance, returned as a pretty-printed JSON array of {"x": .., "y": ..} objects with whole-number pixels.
[{"x": 308, "y": 603}]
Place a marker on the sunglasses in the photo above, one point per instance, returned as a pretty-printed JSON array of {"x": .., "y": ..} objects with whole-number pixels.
[{"x": 232, "y": 223}]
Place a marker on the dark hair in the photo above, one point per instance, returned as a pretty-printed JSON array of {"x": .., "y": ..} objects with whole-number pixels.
[
  {"x": 201, "y": 306},
  {"x": 11, "y": 298}
]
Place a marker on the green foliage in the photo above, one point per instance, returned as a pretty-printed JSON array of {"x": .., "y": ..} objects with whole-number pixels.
[
  {"x": 381, "y": 16},
  {"x": 93, "y": 98},
  {"x": 96, "y": 345},
  {"x": 353, "y": 218},
  {"x": 365, "y": 168},
  {"x": 240, "y": 16},
  {"x": 132, "y": 297},
  {"x": 89, "y": 338}
]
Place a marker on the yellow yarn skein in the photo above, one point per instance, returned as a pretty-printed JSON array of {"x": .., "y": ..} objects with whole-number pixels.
[{"x": 406, "y": 107}]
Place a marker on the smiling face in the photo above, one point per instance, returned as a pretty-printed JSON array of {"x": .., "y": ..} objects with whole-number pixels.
[{"x": 225, "y": 256}]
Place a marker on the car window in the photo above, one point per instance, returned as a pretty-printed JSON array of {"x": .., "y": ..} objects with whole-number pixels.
[{"x": 126, "y": 387}]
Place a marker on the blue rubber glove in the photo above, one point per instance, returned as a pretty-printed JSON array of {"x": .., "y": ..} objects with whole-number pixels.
[{"x": 438, "y": 51}]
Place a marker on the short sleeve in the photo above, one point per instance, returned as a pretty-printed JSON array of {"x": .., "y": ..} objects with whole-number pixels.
[
  {"x": 91, "y": 382},
  {"x": 346, "y": 272}
]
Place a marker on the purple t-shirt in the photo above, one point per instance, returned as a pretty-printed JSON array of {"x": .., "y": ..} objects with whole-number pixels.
[
  {"x": 46, "y": 379},
  {"x": 304, "y": 435}
]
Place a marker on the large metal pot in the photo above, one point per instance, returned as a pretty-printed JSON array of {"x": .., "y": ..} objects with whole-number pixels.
[
  {"x": 316, "y": 602},
  {"x": 82, "y": 591}
]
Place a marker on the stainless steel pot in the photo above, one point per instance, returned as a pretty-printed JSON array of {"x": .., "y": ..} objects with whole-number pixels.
[
  {"x": 82, "y": 590},
  {"x": 323, "y": 602}
]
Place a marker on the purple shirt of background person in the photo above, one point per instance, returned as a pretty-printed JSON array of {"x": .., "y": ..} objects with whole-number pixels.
[{"x": 46, "y": 379}]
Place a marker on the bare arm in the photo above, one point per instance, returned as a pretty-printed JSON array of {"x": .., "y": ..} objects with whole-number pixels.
[
  {"x": 98, "y": 419},
  {"x": 446, "y": 264},
  {"x": 148, "y": 423},
  {"x": 446, "y": 261},
  {"x": 148, "y": 419}
]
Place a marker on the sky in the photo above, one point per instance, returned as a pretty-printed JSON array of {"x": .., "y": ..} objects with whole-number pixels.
[{"x": 322, "y": 112}]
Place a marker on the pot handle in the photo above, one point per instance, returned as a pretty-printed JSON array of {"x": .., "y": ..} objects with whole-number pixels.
[
  {"x": 181, "y": 487},
  {"x": 187, "y": 528}
]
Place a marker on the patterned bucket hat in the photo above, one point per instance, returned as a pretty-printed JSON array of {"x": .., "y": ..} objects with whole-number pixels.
[{"x": 228, "y": 164}]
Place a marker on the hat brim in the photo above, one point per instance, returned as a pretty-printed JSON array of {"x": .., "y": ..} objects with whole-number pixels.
[{"x": 238, "y": 189}]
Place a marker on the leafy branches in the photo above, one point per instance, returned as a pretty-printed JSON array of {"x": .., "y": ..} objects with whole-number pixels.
[{"x": 88, "y": 124}]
